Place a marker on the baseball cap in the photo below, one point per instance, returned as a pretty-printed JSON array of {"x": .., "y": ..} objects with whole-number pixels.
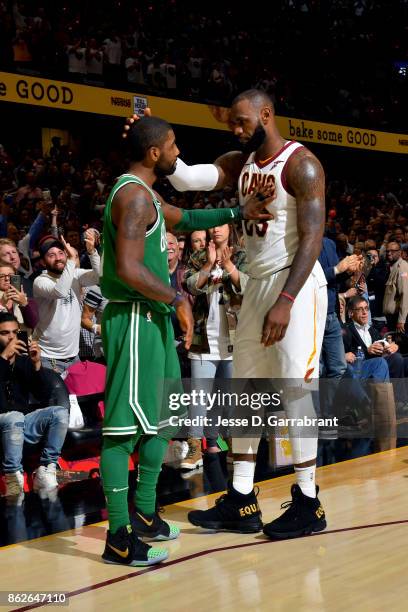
[{"x": 48, "y": 242}]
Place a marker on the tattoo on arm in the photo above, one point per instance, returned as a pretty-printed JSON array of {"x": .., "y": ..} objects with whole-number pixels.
[
  {"x": 135, "y": 212},
  {"x": 306, "y": 179},
  {"x": 136, "y": 216}
]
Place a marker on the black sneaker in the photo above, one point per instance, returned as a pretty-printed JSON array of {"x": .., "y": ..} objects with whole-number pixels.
[
  {"x": 233, "y": 511},
  {"x": 304, "y": 515},
  {"x": 153, "y": 527},
  {"x": 125, "y": 548}
]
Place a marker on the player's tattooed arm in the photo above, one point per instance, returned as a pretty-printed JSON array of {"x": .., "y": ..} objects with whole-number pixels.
[
  {"x": 132, "y": 213},
  {"x": 229, "y": 168},
  {"x": 305, "y": 179}
]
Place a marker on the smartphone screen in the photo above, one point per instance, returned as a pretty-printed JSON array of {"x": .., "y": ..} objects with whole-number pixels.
[
  {"x": 23, "y": 336},
  {"x": 15, "y": 281}
]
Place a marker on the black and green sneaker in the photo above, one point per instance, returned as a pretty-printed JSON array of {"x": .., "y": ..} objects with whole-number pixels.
[
  {"x": 152, "y": 527},
  {"x": 233, "y": 511},
  {"x": 303, "y": 516},
  {"x": 125, "y": 548}
]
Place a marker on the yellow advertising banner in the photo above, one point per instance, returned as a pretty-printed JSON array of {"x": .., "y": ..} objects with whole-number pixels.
[{"x": 37, "y": 91}]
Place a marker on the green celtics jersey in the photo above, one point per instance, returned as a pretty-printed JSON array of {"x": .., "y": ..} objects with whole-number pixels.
[{"x": 155, "y": 253}]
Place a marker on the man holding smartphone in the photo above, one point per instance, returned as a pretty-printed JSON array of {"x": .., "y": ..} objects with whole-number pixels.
[
  {"x": 22, "y": 374},
  {"x": 14, "y": 300}
]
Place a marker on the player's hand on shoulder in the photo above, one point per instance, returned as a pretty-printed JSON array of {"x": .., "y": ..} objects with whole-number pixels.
[
  {"x": 255, "y": 206},
  {"x": 131, "y": 120}
]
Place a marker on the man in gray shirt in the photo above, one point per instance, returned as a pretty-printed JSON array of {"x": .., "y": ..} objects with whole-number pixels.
[{"x": 58, "y": 294}]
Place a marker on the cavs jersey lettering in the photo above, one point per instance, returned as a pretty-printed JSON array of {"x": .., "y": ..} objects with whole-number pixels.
[
  {"x": 271, "y": 245},
  {"x": 155, "y": 252}
]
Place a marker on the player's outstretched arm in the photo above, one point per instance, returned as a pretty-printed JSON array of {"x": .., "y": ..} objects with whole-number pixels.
[
  {"x": 305, "y": 179},
  {"x": 190, "y": 220},
  {"x": 208, "y": 177},
  {"x": 201, "y": 177}
]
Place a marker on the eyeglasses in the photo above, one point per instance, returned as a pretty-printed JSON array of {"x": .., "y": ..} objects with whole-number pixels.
[
  {"x": 3, "y": 276},
  {"x": 361, "y": 309},
  {"x": 392, "y": 250}
]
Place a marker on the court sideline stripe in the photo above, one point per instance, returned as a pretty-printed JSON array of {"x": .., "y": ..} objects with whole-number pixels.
[{"x": 196, "y": 555}]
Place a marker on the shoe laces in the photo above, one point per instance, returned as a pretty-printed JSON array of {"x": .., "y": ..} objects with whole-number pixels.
[
  {"x": 222, "y": 497},
  {"x": 291, "y": 505}
]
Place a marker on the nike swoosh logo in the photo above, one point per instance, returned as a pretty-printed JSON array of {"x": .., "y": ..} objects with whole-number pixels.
[
  {"x": 117, "y": 490},
  {"x": 121, "y": 553},
  {"x": 148, "y": 523}
]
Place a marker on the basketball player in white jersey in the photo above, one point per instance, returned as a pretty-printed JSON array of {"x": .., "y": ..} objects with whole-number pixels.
[{"x": 283, "y": 314}]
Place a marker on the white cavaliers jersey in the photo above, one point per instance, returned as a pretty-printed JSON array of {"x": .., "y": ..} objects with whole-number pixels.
[{"x": 270, "y": 245}]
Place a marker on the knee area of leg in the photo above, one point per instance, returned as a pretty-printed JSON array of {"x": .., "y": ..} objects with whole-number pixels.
[
  {"x": 14, "y": 419},
  {"x": 15, "y": 427},
  {"x": 60, "y": 414}
]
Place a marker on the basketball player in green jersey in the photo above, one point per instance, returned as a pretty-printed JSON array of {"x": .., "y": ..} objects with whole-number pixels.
[{"x": 138, "y": 335}]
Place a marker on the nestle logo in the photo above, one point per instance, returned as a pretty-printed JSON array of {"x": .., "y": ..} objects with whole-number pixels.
[
  {"x": 120, "y": 102},
  {"x": 403, "y": 143}
]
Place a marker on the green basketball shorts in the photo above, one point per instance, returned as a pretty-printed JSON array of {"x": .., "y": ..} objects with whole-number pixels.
[{"x": 142, "y": 369}]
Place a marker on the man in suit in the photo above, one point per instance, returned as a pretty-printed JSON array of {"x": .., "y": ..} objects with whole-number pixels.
[
  {"x": 359, "y": 333},
  {"x": 378, "y": 354}
]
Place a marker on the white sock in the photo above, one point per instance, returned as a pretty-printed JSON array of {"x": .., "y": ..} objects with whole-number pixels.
[
  {"x": 243, "y": 478},
  {"x": 306, "y": 479}
]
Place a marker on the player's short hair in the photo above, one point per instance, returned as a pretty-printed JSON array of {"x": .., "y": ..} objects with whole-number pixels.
[
  {"x": 256, "y": 97},
  {"x": 145, "y": 133}
]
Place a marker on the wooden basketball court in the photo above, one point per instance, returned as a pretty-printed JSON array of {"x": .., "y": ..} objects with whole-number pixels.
[{"x": 359, "y": 563}]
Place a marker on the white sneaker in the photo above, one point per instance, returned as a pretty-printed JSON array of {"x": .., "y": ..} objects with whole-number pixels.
[
  {"x": 14, "y": 483},
  {"x": 176, "y": 452},
  {"x": 45, "y": 477},
  {"x": 180, "y": 449}
]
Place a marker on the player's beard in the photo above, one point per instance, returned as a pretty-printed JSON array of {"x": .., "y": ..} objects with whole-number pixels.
[
  {"x": 256, "y": 140},
  {"x": 163, "y": 169}
]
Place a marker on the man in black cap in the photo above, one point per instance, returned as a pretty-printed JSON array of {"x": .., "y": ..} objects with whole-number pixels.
[{"x": 58, "y": 294}]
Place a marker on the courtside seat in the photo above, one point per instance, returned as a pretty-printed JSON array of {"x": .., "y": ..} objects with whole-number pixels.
[{"x": 79, "y": 443}]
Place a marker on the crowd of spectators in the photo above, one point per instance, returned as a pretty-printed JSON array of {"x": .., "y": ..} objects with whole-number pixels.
[
  {"x": 341, "y": 61},
  {"x": 51, "y": 198}
]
